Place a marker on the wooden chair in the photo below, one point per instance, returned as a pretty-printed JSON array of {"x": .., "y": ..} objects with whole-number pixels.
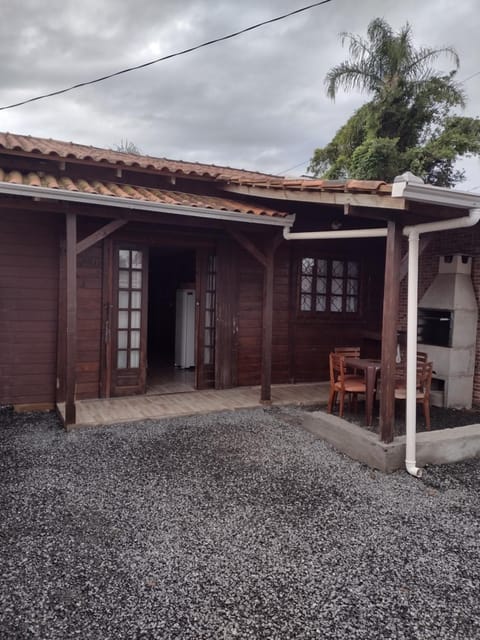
[
  {"x": 424, "y": 383},
  {"x": 401, "y": 381},
  {"x": 349, "y": 352},
  {"x": 341, "y": 385}
]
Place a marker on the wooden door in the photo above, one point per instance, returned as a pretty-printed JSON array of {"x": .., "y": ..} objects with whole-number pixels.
[
  {"x": 129, "y": 321},
  {"x": 205, "y": 319}
]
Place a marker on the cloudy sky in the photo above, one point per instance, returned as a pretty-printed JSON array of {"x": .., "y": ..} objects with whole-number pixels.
[{"x": 255, "y": 102}]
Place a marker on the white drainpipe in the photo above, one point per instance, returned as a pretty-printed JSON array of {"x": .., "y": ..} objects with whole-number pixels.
[
  {"x": 413, "y": 233},
  {"x": 335, "y": 235}
]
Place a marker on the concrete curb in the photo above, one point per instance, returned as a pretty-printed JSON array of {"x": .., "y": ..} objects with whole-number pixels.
[{"x": 433, "y": 447}]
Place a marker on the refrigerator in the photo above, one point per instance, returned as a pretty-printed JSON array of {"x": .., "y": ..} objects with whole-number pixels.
[{"x": 185, "y": 328}]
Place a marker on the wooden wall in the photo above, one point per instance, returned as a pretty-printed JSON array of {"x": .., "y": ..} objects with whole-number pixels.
[
  {"x": 89, "y": 321},
  {"x": 28, "y": 307},
  {"x": 301, "y": 344},
  {"x": 29, "y": 276}
]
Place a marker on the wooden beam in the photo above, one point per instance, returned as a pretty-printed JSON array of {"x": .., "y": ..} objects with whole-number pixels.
[
  {"x": 248, "y": 245},
  {"x": 425, "y": 241},
  {"x": 369, "y": 213},
  {"x": 100, "y": 234},
  {"x": 339, "y": 198},
  {"x": 391, "y": 297},
  {"x": 71, "y": 329}
]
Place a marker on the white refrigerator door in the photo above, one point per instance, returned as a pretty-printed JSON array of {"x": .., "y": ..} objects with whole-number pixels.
[{"x": 185, "y": 328}]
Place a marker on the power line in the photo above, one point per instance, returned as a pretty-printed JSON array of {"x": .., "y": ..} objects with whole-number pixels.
[{"x": 168, "y": 57}]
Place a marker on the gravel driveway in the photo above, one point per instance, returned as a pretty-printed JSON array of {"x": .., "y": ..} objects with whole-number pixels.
[{"x": 227, "y": 526}]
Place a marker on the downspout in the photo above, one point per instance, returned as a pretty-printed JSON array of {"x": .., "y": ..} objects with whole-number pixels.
[
  {"x": 335, "y": 235},
  {"x": 413, "y": 234}
]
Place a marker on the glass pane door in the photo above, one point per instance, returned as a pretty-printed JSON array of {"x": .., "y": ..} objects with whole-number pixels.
[{"x": 130, "y": 322}]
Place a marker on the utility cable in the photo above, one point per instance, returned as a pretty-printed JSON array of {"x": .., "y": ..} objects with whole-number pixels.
[{"x": 168, "y": 57}]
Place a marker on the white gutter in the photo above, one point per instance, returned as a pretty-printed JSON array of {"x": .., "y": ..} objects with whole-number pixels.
[
  {"x": 47, "y": 193},
  {"x": 432, "y": 195}
]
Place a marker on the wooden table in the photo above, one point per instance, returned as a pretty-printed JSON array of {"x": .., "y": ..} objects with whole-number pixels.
[{"x": 370, "y": 370}]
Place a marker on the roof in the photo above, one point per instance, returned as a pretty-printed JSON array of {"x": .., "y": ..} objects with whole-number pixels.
[
  {"x": 71, "y": 151},
  {"x": 71, "y": 186},
  {"x": 300, "y": 184}
]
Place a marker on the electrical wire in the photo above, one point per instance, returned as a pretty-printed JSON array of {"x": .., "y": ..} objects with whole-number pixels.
[{"x": 168, "y": 57}]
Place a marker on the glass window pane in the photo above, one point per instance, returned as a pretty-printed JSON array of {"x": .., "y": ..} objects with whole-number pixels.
[
  {"x": 136, "y": 259},
  {"x": 353, "y": 269},
  {"x": 321, "y": 267},
  {"x": 337, "y": 286},
  {"x": 207, "y": 355},
  {"x": 305, "y": 302},
  {"x": 124, "y": 258},
  {"x": 136, "y": 299},
  {"x": 321, "y": 285},
  {"x": 352, "y": 287},
  {"x": 207, "y": 338},
  {"x": 123, "y": 279},
  {"x": 352, "y": 304},
  {"x": 123, "y": 319},
  {"x": 209, "y": 300},
  {"x": 123, "y": 299},
  {"x": 307, "y": 283},
  {"x": 135, "y": 339},
  {"x": 337, "y": 268},
  {"x": 122, "y": 339},
  {"x": 135, "y": 319},
  {"x": 336, "y": 303},
  {"x": 321, "y": 303},
  {"x": 122, "y": 359},
  {"x": 136, "y": 279},
  {"x": 209, "y": 319},
  {"x": 307, "y": 266},
  {"x": 134, "y": 359}
]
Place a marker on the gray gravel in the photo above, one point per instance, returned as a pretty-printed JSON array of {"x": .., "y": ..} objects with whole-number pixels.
[{"x": 227, "y": 526}]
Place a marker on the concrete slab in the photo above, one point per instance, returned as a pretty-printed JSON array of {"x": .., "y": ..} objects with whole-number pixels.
[{"x": 433, "y": 447}]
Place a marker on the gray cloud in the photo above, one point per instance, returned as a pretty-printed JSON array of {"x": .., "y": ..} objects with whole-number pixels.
[{"x": 257, "y": 101}]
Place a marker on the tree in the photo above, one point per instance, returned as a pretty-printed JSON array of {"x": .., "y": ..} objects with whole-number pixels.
[
  {"x": 409, "y": 124},
  {"x": 127, "y": 146}
]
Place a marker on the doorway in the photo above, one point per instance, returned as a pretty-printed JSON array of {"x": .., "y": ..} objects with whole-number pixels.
[{"x": 171, "y": 320}]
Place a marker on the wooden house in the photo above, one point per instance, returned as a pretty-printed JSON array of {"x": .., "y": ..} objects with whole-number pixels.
[{"x": 95, "y": 244}]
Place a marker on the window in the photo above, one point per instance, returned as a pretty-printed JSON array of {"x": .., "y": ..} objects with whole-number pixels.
[
  {"x": 329, "y": 285},
  {"x": 130, "y": 277}
]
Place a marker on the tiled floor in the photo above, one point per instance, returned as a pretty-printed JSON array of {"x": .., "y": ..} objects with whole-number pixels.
[
  {"x": 131, "y": 408},
  {"x": 170, "y": 379}
]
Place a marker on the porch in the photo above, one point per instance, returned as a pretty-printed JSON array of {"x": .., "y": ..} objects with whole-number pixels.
[{"x": 132, "y": 408}]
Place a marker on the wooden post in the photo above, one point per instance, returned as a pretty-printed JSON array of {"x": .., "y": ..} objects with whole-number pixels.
[
  {"x": 71, "y": 332},
  {"x": 391, "y": 296}
]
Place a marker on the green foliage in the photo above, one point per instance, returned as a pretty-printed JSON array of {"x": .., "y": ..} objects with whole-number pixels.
[
  {"x": 408, "y": 124},
  {"x": 376, "y": 156}
]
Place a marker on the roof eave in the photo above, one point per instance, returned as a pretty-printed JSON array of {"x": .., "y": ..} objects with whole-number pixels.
[
  {"x": 46, "y": 193},
  {"x": 429, "y": 194}
]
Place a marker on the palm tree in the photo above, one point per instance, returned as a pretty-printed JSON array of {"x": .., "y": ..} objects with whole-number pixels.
[{"x": 387, "y": 62}]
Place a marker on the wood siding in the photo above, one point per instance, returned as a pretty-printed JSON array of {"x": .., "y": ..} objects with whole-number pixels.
[
  {"x": 89, "y": 321},
  {"x": 29, "y": 250},
  {"x": 29, "y": 288}
]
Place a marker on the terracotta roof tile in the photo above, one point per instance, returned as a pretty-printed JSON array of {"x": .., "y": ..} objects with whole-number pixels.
[
  {"x": 66, "y": 150},
  {"x": 299, "y": 184},
  {"x": 110, "y": 189}
]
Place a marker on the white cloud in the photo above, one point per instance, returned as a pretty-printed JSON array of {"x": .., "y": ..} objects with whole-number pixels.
[{"x": 257, "y": 101}]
